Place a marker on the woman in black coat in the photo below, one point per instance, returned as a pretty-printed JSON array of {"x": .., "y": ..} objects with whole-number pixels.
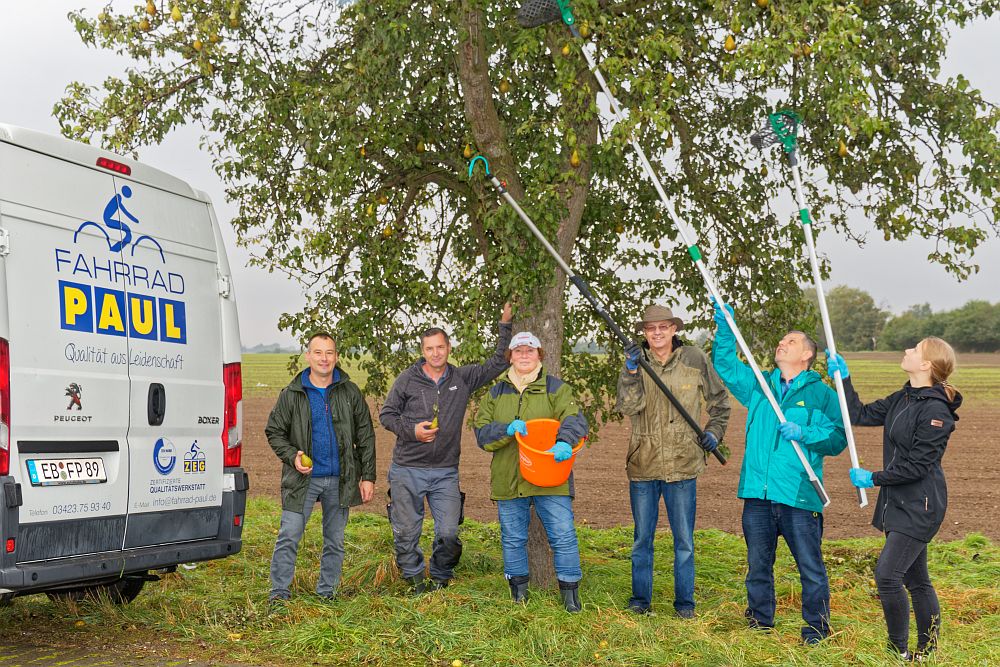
[{"x": 918, "y": 420}]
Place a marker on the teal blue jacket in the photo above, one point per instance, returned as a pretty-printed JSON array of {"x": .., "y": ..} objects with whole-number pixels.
[{"x": 771, "y": 470}]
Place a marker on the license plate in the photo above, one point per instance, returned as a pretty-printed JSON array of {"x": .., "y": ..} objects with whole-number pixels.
[{"x": 54, "y": 472}]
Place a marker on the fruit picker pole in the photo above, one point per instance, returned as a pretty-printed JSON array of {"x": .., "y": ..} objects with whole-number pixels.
[
  {"x": 538, "y": 12},
  {"x": 598, "y": 307},
  {"x": 783, "y": 125}
]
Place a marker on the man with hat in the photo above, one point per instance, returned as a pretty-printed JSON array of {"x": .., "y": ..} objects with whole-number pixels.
[{"x": 665, "y": 456}]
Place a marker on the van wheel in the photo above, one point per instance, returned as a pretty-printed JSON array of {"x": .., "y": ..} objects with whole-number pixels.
[
  {"x": 122, "y": 591},
  {"x": 6, "y": 599}
]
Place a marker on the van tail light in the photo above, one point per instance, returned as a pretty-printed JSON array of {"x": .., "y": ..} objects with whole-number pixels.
[
  {"x": 232, "y": 416},
  {"x": 4, "y": 407}
]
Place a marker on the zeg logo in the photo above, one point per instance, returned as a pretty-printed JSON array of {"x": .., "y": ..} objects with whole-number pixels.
[{"x": 164, "y": 457}]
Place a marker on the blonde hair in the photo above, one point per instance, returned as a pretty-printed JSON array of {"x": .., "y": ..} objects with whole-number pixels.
[{"x": 942, "y": 359}]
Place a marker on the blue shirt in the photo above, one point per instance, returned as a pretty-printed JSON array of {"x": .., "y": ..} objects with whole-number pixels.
[{"x": 325, "y": 452}]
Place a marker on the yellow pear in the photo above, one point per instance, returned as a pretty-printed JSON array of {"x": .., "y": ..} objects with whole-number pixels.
[
  {"x": 730, "y": 43},
  {"x": 670, "y": 141},
  {"x": 197, "y": 45},
  {"x": 585, "y": 30},
  {"x": 151, "y": 9},
  {"x": 420, "y": 146},
  {"x": 504, "y": 86},
  {"x": 306, "y": 461},
  {"x": 842, "y": 149},
  {"x": 176, "y": 15},
  {"x": 574, "y": 158},
  {"x": 468, "y": 151},
  {"x": 763, "y": 170},
  {"x": 806, "y": 49},
  {"x": 362, "y": 151},
  {"x": 144, "y": 25},
  {"x": 762, "y": 3},
  {"x": 565, "y": 49},
  {"x": 383, "y": 200},
  {"x": 619, "y": 228}
]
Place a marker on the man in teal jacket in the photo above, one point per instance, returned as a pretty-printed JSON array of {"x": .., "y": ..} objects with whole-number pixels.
[{"x": 778, "y": 498}]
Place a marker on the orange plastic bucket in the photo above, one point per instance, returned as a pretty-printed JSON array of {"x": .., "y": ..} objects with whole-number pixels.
[{"x": 537, "y": 465}]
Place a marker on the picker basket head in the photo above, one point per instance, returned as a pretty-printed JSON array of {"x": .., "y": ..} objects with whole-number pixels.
[
  {"x": 534, "y": 13},
  {"x": 782, "y": 127}
]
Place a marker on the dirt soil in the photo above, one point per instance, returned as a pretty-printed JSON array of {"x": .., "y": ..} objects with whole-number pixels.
[{"x": 971, "y": 466}]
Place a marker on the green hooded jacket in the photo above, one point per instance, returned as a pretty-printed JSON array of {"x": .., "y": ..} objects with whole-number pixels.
[
  {"x": 771, "y": 469},
  {"x": 545, "y": 398},
  {"x": 289, "y": 430}
]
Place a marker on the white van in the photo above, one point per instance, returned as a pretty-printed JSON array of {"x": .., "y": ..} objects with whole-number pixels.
[{"x": 120, "y": 378}]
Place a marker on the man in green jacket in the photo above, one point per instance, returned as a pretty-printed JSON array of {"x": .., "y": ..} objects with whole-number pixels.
[
  {"x": 321, "y": 430},
  {"x": 778, "y": 498},
  {"x": 665, "y": 456}
]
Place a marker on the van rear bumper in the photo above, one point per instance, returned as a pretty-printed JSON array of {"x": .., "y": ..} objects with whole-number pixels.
[{"x": 75, "y": 571}]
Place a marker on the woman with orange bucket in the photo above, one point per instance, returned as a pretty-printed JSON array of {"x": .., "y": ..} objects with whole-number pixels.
[{"x": 515, "y": 423}]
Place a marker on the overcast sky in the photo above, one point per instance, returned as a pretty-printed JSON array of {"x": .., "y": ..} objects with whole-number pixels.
[{"x": 40, "y": 53}]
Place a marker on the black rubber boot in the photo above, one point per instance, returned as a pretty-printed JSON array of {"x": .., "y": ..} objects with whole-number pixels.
[
  {"x": 519, "y": 588},
  {"x": 570, "y": 595},
  {"x": 437, "y": 584},
  {"x": 418, "y": 584}
]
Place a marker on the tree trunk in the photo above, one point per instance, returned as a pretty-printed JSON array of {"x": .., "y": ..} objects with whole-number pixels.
[{"x": 545, "y": 311}]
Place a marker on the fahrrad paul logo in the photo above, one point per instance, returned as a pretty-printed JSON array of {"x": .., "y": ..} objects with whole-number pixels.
[
  {"x": 118, "y": 310},
  {"x": 164, "y": 456}
]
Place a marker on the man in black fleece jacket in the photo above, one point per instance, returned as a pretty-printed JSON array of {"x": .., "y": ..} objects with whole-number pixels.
[{"x": 425, "y": 409}]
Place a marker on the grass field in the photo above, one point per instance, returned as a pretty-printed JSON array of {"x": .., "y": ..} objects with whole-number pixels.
[
  {"x": 218, "y": 611},
  {"x": 873, "y": 374}
]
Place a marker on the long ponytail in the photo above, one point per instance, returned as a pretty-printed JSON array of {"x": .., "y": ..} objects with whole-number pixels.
[{"x": 943, "y": 362}]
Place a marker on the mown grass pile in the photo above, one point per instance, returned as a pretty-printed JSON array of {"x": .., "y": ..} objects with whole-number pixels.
[{"x": 219, "y": 609}]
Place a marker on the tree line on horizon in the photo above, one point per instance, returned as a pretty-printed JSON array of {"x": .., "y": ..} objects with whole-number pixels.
[{"x": 860, "y": 324}]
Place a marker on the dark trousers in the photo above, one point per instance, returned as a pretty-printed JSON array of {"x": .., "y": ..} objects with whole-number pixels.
[
  {"x": 763, "y": 522},
  {"x": 902, "y": 567}
]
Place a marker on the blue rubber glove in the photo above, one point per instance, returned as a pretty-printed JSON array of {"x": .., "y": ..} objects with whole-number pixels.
[
  {"x": 834, "y": 363},
  {"x": 861, "y": 478},
  {"x": 708, "y": 442},
  {"x": 790, "y": 431},
  {"x": 632, "y": 353},
  {"x": 517, "y": 426},
  {"x": 561, "y": 451},
  {"x": 720, "y": 319}
]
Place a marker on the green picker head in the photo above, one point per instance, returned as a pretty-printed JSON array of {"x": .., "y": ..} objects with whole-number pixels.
[
  {"x": 534, "y": 13},
  {"x": 781, "y": 127}
]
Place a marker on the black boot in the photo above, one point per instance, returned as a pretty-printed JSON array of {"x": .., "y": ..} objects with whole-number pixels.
[
  {"x": 418, "y": 584},
  {"x": 437, "y": 584},
  {"x": 519, "y": 588},
  {"x": 570, "y": 595}
]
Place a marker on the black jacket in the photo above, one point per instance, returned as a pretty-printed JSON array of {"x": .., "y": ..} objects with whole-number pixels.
[
  {"x": 414, "y": 396},
  {"x": 917, "y": 424}
]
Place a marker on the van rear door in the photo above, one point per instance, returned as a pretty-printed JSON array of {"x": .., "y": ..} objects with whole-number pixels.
[
  {"x": 68, "y": 355},
  {"x": 175, "y": 368}
]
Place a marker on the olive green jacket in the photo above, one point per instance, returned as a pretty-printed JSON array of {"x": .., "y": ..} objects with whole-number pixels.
[
  {"x": 545, "y": 398},
  {"x": 289, "y": 430},
  {"x": 663, "y": 446}
]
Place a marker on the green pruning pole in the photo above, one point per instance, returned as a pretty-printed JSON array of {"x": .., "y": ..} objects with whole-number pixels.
[
  {"x": 784, "y": 125},
  {"x": 598, "y": 307},
  {"x": 538, "y": 12}
]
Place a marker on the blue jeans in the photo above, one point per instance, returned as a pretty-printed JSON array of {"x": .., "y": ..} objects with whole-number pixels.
[
  {"x": 408, "y": 486},
  {"x": 556, "y": 515},
  {"x": 293, "y": 524},
  {"x": 763, "y": 521},
  {"x": 680, "y": 501}
]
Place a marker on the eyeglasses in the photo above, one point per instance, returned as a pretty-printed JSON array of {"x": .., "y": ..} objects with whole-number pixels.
[{"x": 653, "y": 328}]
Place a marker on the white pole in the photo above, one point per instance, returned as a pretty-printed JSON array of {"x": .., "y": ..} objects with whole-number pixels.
[{"x": 825, "y": 314}]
